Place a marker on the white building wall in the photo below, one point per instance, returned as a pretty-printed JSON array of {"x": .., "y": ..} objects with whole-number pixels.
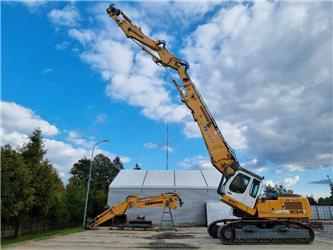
[
  {"x": 194, "y": 186},
  {"x": 193, "y": 211}
]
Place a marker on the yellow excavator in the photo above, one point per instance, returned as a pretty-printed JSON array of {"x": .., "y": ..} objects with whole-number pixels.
[
  {"x": 166, "y": 200},
  {"x": 279, "y": 219}
]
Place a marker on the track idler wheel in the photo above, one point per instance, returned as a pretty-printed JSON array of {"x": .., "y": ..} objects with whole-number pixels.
[
  {"x": 213, "y": 229},
  {"x": 226, "y": 234}
]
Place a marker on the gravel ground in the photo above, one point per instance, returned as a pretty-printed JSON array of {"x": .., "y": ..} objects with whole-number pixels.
[{"x": 184, "y": 238}]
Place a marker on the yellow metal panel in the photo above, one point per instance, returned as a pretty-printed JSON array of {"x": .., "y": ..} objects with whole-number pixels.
[
  {"x": 230, "y": 201},
  {"x": 285, "y": 208}
]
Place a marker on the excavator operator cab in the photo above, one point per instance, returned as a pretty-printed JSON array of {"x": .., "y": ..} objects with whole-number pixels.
[{"x": 242, "y": 186}]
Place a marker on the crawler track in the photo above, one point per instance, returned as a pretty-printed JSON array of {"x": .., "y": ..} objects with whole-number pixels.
[{"x": 237, "y": 232}]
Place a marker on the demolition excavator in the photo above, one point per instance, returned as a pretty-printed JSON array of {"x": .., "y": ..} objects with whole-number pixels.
[
  {"x": 168, "y": 200},
  {"x": 279, "y": 219}
]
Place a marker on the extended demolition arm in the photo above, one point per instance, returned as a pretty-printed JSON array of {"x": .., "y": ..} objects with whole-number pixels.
[
  {"x": 159, "y": 200},
  {"x": 222, "y": 156}
]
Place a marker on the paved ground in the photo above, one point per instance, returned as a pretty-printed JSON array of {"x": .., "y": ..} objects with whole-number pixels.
[{"x": 184, "y": 238}]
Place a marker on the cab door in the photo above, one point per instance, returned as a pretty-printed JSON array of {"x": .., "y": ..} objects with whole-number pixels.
[
  {"x": 254, "y": 191},
  {"x": 243, "y": 188}
]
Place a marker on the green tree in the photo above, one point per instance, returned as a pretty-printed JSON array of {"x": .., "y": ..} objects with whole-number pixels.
[
  {"x": 33, "y": 151},
  {"x": 44, "y": 179},
  {"x": 16, "y": 192},
  {"x": 76, "y": 190},
  {"x": 312, "y": 201},
  {"x": 280, "y": 189},
  {"x": 269, "y": 190},
  {"x": 58, "y": 212},
  {"x": 325, "y": 201},
  {"x": 103, "y": 172},
  {"x": 276, "y": 190},
  {"x": 117, "y": 164}
]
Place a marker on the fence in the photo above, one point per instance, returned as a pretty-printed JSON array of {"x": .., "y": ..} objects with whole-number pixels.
[
  {"x": 322, "y": 212},
  {"x": 32, "y": 226}
]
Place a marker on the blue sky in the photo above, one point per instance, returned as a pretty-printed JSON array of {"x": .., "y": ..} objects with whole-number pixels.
[{"x": 68, "y": 69}]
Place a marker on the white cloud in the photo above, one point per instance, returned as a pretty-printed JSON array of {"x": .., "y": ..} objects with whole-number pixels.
[
  {"x": 132, "y": 76},
  {"x": 108, "y": 57},
  {"x": 19, "y": 122},
  {"x": 150, "y": 145},
  {"x": 69, "y": 16},
  {"x": 233, "y": 135},
  {"x": 16, "y": 118},
  {"x": 254, "y": 165},
  {"x": 197, "y": 162},
  {"x": 83, "y": 36},
  {"x": 286, "y": 182},
  {"x": 101, "y": 118},
  {"x": 62, "y": 46},
  {"x": 268, "y": 88},
  {"x": 183, "y": 13},
  {"x": 63, "y": 155},
  {"x": 12, "y": 138},
  {"x": 74, "y": 134},
  {"x": 260, "y": 170},
  {"x": 273, "y": 82},
  {"x": 289, "y": 182},
  {"x": 76, "y": 138},
  {"x": 46, "y": 71},
  {"x": 34, "y": 2},
  {"x": 290, "y": 168},
  {"x": 250, "y": 163},
  {"x": 165, "y": 148},
  {"x": 191, "y": 130},
  {"x": 34, "y": 5}
]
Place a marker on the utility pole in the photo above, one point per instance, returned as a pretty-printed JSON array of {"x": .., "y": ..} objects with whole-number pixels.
[
  {"x": 89, "y": 180},
  {"x": 331, "y": 184},
  {"x": 167, "y": 146}
]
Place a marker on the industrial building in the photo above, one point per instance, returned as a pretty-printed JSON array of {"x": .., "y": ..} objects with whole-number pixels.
[{"x": 196, "y": 187}]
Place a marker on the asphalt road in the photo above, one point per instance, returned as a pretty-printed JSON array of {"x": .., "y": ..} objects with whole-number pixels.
[{"x": 184, "y": 238}]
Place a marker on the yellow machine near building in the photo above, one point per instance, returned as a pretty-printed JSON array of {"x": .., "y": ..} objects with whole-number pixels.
[
  {"x": 280, "y": 219},
  {"x": 166, "y": 200}
]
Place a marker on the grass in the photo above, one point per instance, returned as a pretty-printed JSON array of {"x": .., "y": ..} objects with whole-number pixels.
[{"x": 41, "y": 235}]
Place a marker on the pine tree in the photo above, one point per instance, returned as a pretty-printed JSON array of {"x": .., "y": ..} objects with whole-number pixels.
[
  {"x": 33, "y": 151},
  {"x": 117, "y": 163},
  {"x": 44, "y": 179}
]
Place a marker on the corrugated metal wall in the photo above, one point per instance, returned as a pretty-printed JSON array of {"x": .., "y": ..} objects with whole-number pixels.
[
  {"x": 196, "y": 187},
  {"x": 322, "y": 212}
]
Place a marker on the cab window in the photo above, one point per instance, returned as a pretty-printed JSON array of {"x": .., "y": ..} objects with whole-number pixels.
[
  {"x": 239, "y": 183},
  {"x": 255, "y": 188}
]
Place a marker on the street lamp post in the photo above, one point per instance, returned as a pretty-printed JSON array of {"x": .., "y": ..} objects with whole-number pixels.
[{"x": 89, "y": 179}]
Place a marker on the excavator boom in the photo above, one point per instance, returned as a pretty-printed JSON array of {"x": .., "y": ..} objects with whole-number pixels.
[
  {"x": 160, "y": 200},
  {"x": 222, "y": 156}
]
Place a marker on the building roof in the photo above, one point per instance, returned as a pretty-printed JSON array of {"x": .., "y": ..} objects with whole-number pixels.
[{"x": 207, "y": 179}]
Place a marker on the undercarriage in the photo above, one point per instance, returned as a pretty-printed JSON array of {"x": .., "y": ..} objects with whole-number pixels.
[{"x": 256, "y": 231}]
